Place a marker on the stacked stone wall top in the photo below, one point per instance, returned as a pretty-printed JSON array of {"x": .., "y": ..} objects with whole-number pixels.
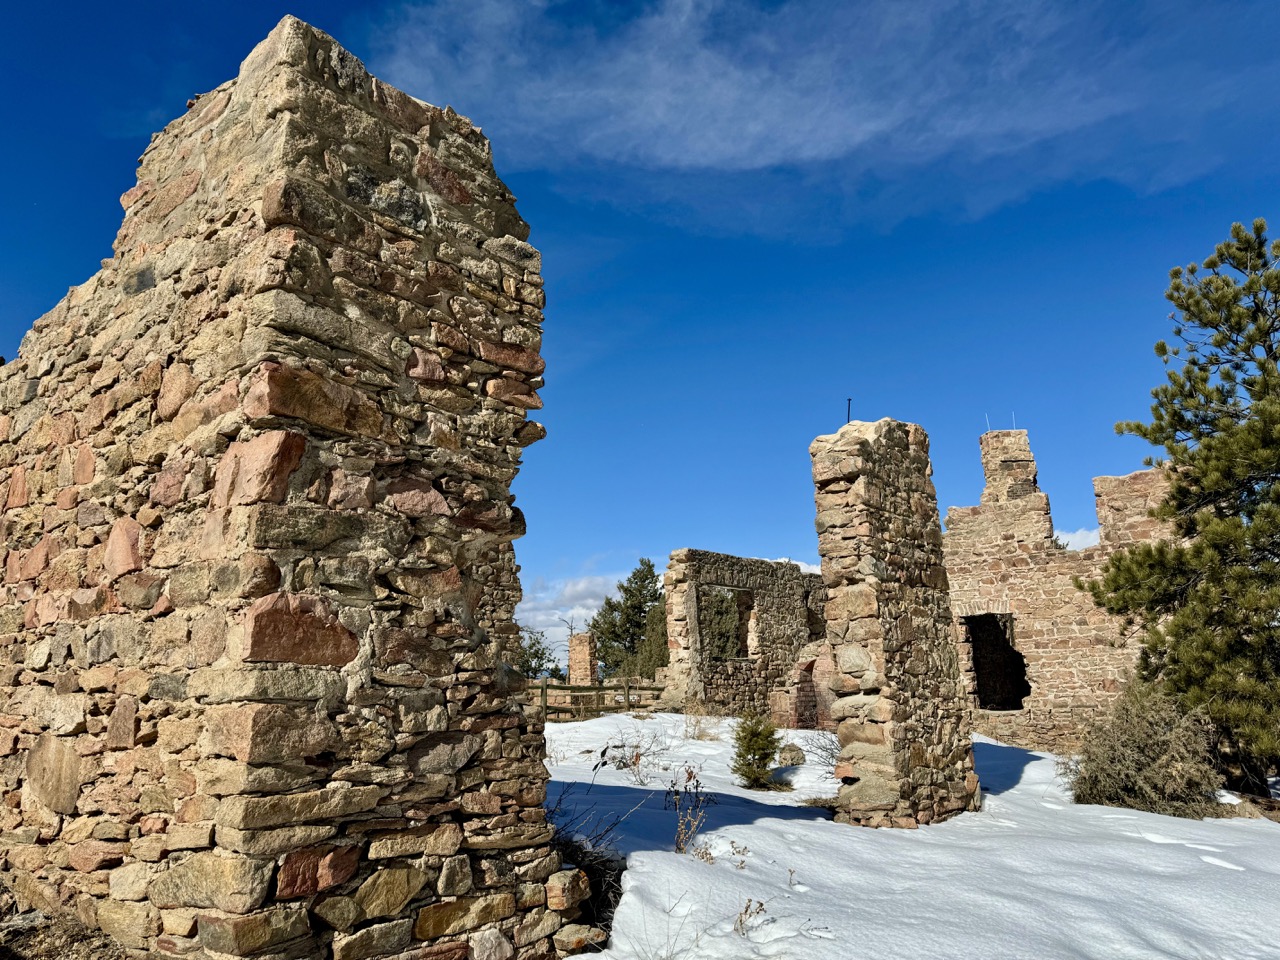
[
  {"x": 259, "y": 578},
  {"x": 1124, "y": 507},
  {"x": 905, "y": 756}
]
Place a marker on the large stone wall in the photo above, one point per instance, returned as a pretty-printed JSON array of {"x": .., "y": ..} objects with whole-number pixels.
[
  {"x": 1032, "y": 644},
  {"x": 783, "y": 639},
  {"x": 905, "y": 754},
  {"x": 259, "y": 578}
]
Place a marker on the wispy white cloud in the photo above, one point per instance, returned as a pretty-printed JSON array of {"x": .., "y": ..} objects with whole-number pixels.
[
  {"x": 860, "y": 99},
  {"x": 552, "y": 605},
  {"x": 1078, "y": 539}
]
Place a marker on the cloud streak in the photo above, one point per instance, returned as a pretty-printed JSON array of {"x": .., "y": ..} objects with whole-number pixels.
[
  {"x": 860, "y": 98},
  {"x": 551, "y": 605}
]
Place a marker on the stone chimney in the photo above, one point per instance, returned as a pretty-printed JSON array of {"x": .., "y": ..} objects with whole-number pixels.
[{"x": 905, "y": 756}]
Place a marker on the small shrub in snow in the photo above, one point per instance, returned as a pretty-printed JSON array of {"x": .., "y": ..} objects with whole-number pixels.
[
  {"x": 1146, "y": 754},
  {"x": 750, "y": 912},
  {"x": 700, "y": 723},
  {"x": 638, "y": 753},
  {"x": 684, "y": 795},
  {"x": 755, "y": 744}
]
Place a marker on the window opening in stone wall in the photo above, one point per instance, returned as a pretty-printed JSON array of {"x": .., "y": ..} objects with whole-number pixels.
[
  {"x": 727, "y": 623},
  {"x": 999, "y": 670}
]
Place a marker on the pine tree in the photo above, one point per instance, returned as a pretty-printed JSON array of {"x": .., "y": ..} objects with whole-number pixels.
[
  {"x": 532, "y": 655},
  {"x": 718, "y": 622},
  {"x": 624, "y": 627},
  {"x": 1210, "y": 601},
  {"x": 755, "y": 745}
]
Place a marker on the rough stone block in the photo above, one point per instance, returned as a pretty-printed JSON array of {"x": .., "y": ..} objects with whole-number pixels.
[
  {"x": 283, "y": 391},
  {"x": 433, "y": 840},
  {"x": 253, "y": 813},
  {"x": 389, "y": 890},
  {"x": 53, "y": 772},
  {"x": 268, "y": 732},
  {"x": 258, "y": 470},
  {"x": 252, "y": 934},
  {"x": 293, "y": 628},
  {"x": 378, "y": 940},
  {"x": 463, "y": 914},
  {"x": 132, "y": 924},
  {"x": 304, "y": 873},
  {"x": 230, "y": 883}
]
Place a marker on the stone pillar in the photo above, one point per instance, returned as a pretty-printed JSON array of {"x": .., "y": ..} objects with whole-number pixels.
[
  {"x": 905, "y": 756},
  {"x": 684, "y": 674},
  {"x": 1009, "y": 469},
  {"x": 255, "y": 480},
  {"x": 583, "y": 666}
]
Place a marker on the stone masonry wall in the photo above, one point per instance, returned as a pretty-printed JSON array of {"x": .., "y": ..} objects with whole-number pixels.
[
  {"x": 259, "y": 578},
  {"x": 786, "y": 639},
  {"x": 905, "y": 754},
  {"x": 1001, "y": 559}
]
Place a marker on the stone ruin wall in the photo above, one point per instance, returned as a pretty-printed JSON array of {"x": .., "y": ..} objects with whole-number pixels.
[
  {"x": 259, "y": 578},
  {"x": 1001, "y": 559},
  {"x": 788, "y": 657},
  {"x": 905, "y": 753}
]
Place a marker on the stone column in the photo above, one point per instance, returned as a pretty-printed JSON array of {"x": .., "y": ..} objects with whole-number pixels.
[
  {"x": 905, "y": 753},
  {"x": 583, "y": 668}
]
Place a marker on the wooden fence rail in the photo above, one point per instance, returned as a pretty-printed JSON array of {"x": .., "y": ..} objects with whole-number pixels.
[{"x": 615, "y": 697}]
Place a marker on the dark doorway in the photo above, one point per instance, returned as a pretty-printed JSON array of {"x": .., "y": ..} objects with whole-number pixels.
[{"x": 999, "y": 670}]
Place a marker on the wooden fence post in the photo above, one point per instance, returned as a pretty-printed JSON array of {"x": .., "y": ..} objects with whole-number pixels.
[
  {"x": 544, "y": 699},
  {"x": 626, "y": 694}
]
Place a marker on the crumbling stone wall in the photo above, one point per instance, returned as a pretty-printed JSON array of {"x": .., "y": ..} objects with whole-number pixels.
[
  {"x": 1006, "y": 571},
  {"x": 259, "y": 576},
  {"x": 905, "y": 754},
  {"x": 784, "y": 638}
]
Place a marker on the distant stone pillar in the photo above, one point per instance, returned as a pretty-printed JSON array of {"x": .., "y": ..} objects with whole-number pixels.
[
  {"x": 905, "y": 752},
  {"x": 582, "y": 660}
]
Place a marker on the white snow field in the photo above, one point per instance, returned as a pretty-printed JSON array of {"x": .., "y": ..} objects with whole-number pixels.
[{"x": 1030, "y": 876}]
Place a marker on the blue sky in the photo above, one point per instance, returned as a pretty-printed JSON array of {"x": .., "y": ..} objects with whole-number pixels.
[{"x": 951, "y": 212}]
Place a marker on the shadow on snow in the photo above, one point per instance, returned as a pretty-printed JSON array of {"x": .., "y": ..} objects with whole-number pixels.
[
  {"x": 645, "y": 823},
  {"x": 1000, "y": 767}
]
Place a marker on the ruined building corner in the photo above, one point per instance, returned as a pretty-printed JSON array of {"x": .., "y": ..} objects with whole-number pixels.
[{"x": 255, "y": 479}]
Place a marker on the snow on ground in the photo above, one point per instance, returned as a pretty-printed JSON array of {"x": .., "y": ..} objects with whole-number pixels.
[{"x": 1030, "y": 876}]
